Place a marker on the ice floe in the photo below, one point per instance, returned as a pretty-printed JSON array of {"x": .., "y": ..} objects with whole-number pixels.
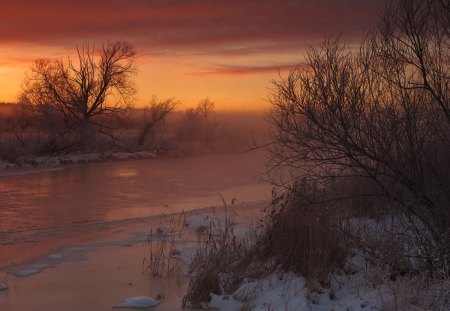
[{"x": 139, "y": 302}]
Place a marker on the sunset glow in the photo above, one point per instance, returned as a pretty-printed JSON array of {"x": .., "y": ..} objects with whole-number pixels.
[
  {"x": 226, "y": 50},
  {"x": 224, "y": 155}
]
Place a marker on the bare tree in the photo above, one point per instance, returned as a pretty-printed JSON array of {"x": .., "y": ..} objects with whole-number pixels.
[
  {"x": 154, "y": 114},
  {"x": 74, "y": 99},
  {"x": 343, "y": 118},
  {"x": 188, "y": 129},
  {"x": 412, "y": 42},
  {"x": 95, "y": 86},
  {"x": 205, "y": 107}
]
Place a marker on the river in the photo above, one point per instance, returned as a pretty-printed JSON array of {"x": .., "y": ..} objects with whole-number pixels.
[{"x": 46, "y": 211}]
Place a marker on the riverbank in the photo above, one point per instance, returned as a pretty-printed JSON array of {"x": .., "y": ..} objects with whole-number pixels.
[
  {"x": 72, "y": 159},
  {"x": 50, "y": 208},
  {"x": 101, "y": 274}
]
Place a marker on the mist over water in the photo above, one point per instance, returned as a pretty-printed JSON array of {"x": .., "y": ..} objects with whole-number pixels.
[{"x": 72, "y": 236}]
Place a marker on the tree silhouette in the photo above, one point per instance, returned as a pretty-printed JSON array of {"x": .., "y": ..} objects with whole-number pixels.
[
  {"x": 97, "y": 84},
  {"x": 379, "y": 115}
]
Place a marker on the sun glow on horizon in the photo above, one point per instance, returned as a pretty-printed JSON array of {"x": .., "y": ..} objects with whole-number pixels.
[
  {"x": 189, "y": 79},
  {"x": 228, "y": 51}
]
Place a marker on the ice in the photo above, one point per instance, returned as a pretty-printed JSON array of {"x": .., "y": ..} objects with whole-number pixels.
[
  {"x": 196, "y": 221},
  {"x": 224, "y": 303},
  {"x": 32, "y": 269},
  {"x": 139, "y": 302},
  {"x": 241, "y": 233},
  {"x": 55, "y": 256},
  {"x": 186, "y": 253},
  {"x": 3, "y": 286},
  {"x": 202, "y": 222}
]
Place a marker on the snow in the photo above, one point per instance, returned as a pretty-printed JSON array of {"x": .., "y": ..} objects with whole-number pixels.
[
  {"x": 357, "y": 286},
  {"x": 197, "y": 222},
  {"x": 287, "y": 292},
  {"x": 49, "y": 261},
  {"x": 5, "y": 165},
  {"x": 241, "y": 233},
  {"x": 139, "y": 302},
  {"x": 202, "y": 222},
  {"x": 225, "y": 303},
  {"x": 360, "y": 288},
  {"x": 32, "y": 269},
  {"x": 3, "y": 286},
  {"x": 185, "y": 254},
  {"x": 284, "y": 291},
  {"x": 55, "y": 256},
  {"x": 57, "y": 160}
]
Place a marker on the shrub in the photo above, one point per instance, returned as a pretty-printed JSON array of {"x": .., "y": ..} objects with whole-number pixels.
[
  {"x": 296, "y": 235},
  {"x": 303, "y": 236}
]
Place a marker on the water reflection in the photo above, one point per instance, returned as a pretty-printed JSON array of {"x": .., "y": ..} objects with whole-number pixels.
[{"x": 56, "y": 204}]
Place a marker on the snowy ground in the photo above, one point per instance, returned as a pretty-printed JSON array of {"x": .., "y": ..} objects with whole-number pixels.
[
  {"x": 357, "y": 286},
  {"x": 353, "y": 288},
  {"x": 287, "y": 291}
]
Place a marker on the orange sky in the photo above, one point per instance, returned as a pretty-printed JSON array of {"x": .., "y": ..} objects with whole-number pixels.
[{"x": 226, "y": 50}]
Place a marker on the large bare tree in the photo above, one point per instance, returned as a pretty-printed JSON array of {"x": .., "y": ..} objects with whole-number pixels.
[
  {"x": 98, "y": 83},
  {"x": 412, "y": 43},
  {"x": 377, "y": 115}
]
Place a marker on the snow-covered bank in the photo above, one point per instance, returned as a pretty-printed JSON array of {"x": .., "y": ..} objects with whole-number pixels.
[
  {"x": 100, "y": 275},
  {"x": 196, "y": 220},
  {"x": 117, "y": 267},
  {"x": 289, "y": 292},
  {"x": 366, "y": 288},
  {"x": 70, "y": 159},
  {"x": 360, "y": 284}
]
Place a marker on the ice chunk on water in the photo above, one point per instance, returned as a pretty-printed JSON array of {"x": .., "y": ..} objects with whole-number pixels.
[
  {"x": 3, "y": 286},
  {"x": 55, "y": 256},
  {"x": 139, "y": 302},
  {"x": 30, "y": 270}
]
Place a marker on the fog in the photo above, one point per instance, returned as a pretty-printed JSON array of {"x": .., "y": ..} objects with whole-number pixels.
[{"x": 25, "y": 134}]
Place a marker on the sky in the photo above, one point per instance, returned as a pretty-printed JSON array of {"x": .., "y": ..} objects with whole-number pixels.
[{"x": 226, "y": 50}]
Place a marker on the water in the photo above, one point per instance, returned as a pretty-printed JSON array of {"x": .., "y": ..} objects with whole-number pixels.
[
  {"x": 108, "y": 277},
  {"x": 71, "y": 220},
  {"x": 42, "y": 211}
]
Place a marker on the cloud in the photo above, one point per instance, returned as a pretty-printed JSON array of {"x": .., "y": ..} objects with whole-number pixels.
[
  {"x": 193, "y": 26},
  {"x": 242, "y": 70}
]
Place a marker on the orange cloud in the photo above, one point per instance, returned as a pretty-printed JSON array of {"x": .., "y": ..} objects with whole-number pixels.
[
  {"x": 187, "y": 48},
  {"x": 242, "y": 70}
]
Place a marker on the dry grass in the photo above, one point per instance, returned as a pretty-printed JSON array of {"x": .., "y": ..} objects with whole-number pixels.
[
  {"x": 295, "y": 236},
  {"x": 200, "y": 290},
  {"x": 306, "y": 233},
  {"x": 218, "y": 253},
  {"x": 158, "y": 259},
  {"x": 418, "y": 292},
  {"x": 304, "y": 237}
]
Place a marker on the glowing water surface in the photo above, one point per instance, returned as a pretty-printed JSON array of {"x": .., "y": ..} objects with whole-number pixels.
[
  {"x": 89, "y": 199},
  {"x": 47, "y": 211}
]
